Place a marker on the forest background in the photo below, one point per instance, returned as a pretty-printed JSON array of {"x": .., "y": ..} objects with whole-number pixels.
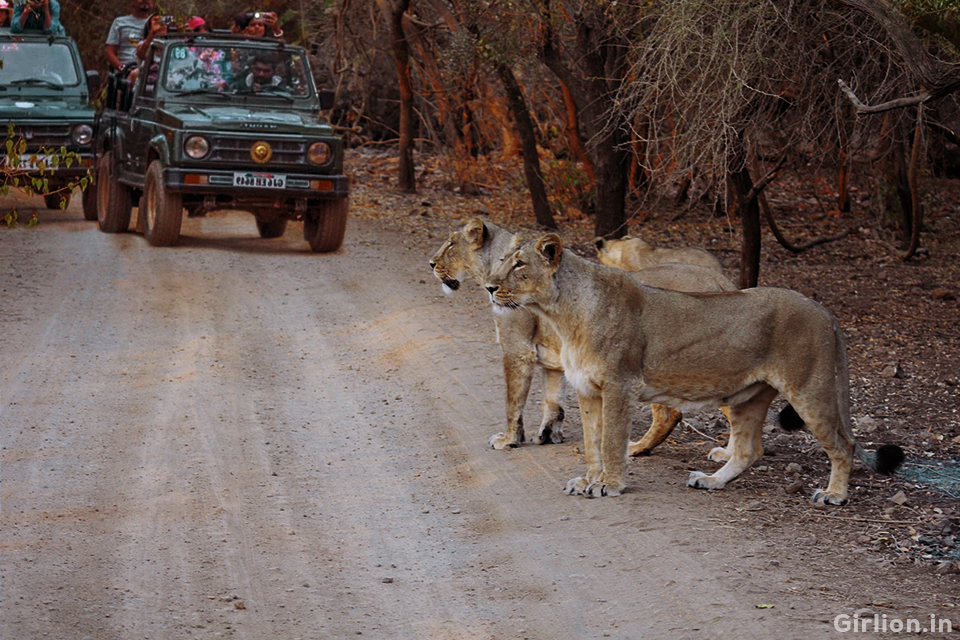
[{"x": 614, "y": 105}]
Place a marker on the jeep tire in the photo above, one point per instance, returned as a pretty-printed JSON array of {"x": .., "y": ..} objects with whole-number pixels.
[
  {"x": 54, "y": 200},
  {"x": 89, "y": 201},
  {"x": 271, "y": 228},
  {"x": 163, "y": 213},
  {"x": 325, "y": 225},
  {"x": 114, "y": 200}
]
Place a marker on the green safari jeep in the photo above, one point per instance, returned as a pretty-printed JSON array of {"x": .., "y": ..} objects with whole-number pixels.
[
  {"x": 45, "y": 95},
  {"x": 213, "y": 121}
]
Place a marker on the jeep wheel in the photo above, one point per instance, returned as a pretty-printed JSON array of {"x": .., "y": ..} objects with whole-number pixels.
[
  {"x": 326, "y": 224},
  {"x": 164, "y": 210},
  {"x": 89, "y": 200},
  {"x": 272, "y": 229},
  {"x": 114, "y": 200},
  {"x": 53, "y": 200}
]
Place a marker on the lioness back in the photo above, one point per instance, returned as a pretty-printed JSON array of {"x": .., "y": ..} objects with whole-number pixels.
[{"x": 633, "y": 254}]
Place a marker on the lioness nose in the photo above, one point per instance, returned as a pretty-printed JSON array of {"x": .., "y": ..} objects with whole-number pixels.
[
  {"x": 492, "y": 287},
  {"x": 433, "y": 265}
]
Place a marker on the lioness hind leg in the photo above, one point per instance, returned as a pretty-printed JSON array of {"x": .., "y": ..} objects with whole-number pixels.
[
  {"x": 665, "y": 419},
  {"x": 722, "y": 454},
  {"x": 825, "y": 423},
  {"x": 554, "y": 388},
  {"x": 517, "y": 374},
  {"x": 745, "y": 446}
]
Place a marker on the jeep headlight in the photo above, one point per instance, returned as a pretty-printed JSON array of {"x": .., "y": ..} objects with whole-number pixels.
[
  {"x": 196, "y": 147},
  {"x": 81, "y": 134},
  {"x": 319, "y": 153}
]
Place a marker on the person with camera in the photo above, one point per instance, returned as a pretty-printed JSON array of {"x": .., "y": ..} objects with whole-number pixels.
[
  {"x": 126, "y": 32},
  {"x": 256, "y": 23},
  {"x": 37, "y": 15},
  {"x": 156, "y": 25}
]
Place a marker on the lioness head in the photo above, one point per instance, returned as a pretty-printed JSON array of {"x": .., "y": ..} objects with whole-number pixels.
[
  {"x": 626, "y": 253},
  {"x": 524, "y": 276},
  {"x": 457, "y": 258}
]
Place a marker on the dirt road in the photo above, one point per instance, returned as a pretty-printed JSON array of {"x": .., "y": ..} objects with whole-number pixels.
[{"x": 238, "y": 438}]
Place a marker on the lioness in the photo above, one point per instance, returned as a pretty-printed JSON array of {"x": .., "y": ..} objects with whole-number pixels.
[
  {"x": 623, "y": 342},
  {"x": 473, "y": 251},
  {"x": 631, "y": 254}
]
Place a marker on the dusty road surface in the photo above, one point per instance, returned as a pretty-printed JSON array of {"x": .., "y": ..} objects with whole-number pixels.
[{"x": 236, "y": 438}]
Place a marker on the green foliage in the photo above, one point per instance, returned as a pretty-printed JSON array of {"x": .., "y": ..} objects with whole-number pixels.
[{"x": 30, "y": 173}]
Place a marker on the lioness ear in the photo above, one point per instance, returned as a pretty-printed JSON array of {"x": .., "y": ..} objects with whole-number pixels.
[
  {"x": 476, "y": 232},
  {"x": 550, "y": 247}
]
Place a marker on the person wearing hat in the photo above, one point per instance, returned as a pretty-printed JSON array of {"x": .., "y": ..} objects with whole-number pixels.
[
  {"x": 37, "y": 15},
  {"x": 5, "y": 12},
  {"x": 197, "y": 24}
]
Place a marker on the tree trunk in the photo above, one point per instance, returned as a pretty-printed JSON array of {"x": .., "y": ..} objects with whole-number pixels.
[
  {"x": 748, "y": 206},
  {"x": 393, "y": 11},
  {"x": 599, "y": 71},
  {"x": 528, "y": 138}
]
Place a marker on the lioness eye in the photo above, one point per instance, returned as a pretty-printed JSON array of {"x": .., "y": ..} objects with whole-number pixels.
[{"x": 518, "y": 264}]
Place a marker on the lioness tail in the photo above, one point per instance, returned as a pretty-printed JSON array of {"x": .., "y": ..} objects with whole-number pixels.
[{"x": 886, "y": 460}]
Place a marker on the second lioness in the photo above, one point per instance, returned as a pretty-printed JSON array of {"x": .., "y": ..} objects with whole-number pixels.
[
  {"x": 622, "y": 342},
  {"x": 474, "y": 251}
]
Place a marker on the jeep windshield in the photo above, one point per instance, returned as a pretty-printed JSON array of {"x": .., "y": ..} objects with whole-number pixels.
[
  {"x": 235, "y": 69},
  {"x": 37, "y": 64}
]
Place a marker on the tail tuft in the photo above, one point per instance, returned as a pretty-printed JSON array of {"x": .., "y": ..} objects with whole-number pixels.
[
  {"x": 889, "y": 459},
  {"x": 789, "y": 420}
]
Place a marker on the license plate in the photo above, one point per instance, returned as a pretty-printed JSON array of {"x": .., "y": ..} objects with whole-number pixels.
[
  {"x": 26, "y": 164},
  {"x": 263, "y": 180}
]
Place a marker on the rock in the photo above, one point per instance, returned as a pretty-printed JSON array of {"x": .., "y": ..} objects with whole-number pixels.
[
  {"x": 899, "y": 499},
  {"x": 793, "y": 468},
  {"x": 947, "y": 567},
  {"x": 794, "y": 487},
  {"x": 944, "y": 294},
  {"x": 891, "y": 370}
]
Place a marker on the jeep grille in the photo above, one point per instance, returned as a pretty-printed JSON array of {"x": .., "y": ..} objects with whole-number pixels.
[
  {"x": 235, "y": 150},
  {"x": 51, "y": 136}
]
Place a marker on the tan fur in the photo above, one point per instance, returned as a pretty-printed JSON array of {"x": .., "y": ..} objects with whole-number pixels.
[
  {"x": 632, "y": 254},
  {"x": 623, "y": 342},
  {"x": 528, "y": 343}
]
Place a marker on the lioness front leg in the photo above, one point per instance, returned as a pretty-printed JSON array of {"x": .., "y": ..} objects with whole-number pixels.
[
  {"x": 517, "y": 374},
  {"x": 591, "y": 415},
  {"x": 746, "y": 445},
  {"x": 554, "y": 389}
]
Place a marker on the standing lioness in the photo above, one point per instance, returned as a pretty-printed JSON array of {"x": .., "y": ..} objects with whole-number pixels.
[
  {"x": 622, "y": 341},
  {"x": 475, "y": 250}
]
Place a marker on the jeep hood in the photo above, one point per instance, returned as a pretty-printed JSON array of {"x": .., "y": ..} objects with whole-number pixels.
[
  {"x": 13, "y": 107},
  {"x": 233, "y": 118}
]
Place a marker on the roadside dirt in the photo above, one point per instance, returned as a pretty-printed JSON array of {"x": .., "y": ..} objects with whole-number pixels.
[{"x": 237, "y": 438}]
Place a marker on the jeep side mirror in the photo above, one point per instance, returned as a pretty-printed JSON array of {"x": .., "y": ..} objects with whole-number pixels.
[
  {"x": 327, "y": 97},
  {"x": 93, "y": 83}
]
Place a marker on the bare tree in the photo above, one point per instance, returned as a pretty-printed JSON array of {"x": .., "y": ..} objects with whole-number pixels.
[{"x": 718, "y": 83}]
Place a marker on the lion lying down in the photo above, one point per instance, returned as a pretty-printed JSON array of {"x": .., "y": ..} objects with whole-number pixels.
[
  {"x": 473, "y": 251},
  {"x": 632, "y": 254},
  {"x": 623, "y": 342}
]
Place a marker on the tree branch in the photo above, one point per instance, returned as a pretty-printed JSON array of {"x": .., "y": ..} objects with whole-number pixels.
[{"x": 899, "y": 103}]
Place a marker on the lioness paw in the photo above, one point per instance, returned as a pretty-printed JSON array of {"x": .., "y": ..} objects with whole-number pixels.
[
  {"x": 700, "y": 480},
  {"x": 823, "y": 498},
  {"x": 718, "y": 454},
  {"x": 601, "y": 490},
  {"x": 548, "y": 435},
  {"x": 576, "y": 486},
  {"x": 501, "y": 441}
]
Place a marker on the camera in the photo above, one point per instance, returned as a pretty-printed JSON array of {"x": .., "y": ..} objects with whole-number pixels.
[{"x": 167, "y": 20}]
